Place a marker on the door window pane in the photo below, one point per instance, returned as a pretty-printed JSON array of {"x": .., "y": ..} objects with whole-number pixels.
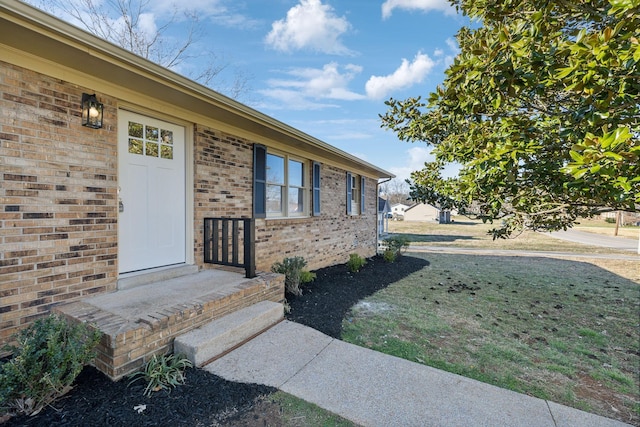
[
  {"x": 151, "y": 133},
  {"x": 135, "y": 129},
  {"x": 166, "y": 152},
  {"x": 135, "y": 146},
  {"x": 152, "y": 149},
  {"x": 150, "y": 141},
  {"x": 167, "y": 136}
]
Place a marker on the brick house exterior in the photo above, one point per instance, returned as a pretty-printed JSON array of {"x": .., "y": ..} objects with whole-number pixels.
[{"x": 60, "y": 194}]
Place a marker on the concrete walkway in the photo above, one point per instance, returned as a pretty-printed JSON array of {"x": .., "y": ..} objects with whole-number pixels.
[
  {"x": 517, "y": 252},
  {"x": 374, "y": 389},
  {"x": 586, "y": 238}
]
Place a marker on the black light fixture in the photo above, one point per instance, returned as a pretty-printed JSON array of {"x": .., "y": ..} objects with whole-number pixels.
[{"x": 91, "y": 111}]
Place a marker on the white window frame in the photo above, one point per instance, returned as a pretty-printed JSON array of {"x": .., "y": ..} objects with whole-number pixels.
[
  {"x": 286, "y": 186},
  {"x": 355, "y": 194}
]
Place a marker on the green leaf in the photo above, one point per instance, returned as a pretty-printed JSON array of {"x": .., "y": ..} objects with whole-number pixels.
[
  {"x": 577, "y": 157},
  {"x": 564, "y": 72},
  {"x": 622, "y": 134},
  {"x": 614, "y": 156}
]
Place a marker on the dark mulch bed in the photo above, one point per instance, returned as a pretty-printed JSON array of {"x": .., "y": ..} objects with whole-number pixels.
[
  {"x": 208, "y": 400},
  {"x": 326, "y": 301}
]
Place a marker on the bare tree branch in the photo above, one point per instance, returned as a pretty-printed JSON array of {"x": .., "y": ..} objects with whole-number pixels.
[{"x": 131, "y": 24}]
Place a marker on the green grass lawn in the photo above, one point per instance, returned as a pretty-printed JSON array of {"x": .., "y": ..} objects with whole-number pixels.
[
  {"x": 298, "y": 413},
  {"x": 600, "y": 226},
  {"x": 562, "y": 330}
]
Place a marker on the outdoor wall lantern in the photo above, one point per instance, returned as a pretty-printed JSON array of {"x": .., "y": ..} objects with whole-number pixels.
[{"x": 91, "y": 111}]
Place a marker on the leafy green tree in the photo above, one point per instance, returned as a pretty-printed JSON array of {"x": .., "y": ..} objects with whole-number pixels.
[{"x": 541, "y": 110}]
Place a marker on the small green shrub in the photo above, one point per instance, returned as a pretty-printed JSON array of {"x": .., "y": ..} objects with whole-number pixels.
[
  {"x": 355, "y": 263},
  {"x": 610, "y": 220},
  {"x": 389, "y": 255},
  {"x": 395, "y": 246},
  {"x": 307, "y": 276},
  {"x": 295, "y": 274},
  {"x": 47, "y": 359},
  {"x": 162, "y": 373}
]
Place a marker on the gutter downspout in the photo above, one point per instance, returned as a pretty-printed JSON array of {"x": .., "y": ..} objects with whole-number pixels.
[{"x": 387, "y": 220}]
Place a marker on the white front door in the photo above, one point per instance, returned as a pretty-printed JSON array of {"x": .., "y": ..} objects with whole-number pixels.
[{"x": 151, "y": 181}]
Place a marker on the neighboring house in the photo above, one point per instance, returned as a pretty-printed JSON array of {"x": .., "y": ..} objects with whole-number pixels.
[
  {"x": 84, "y": 208},
  {"x": 426, "y": 212},
  {"x": 399, "y": 209},
  {"x": 384, "y": 209}
]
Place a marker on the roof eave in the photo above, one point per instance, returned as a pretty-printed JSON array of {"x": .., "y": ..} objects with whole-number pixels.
[{"x": 82, "y": 50}]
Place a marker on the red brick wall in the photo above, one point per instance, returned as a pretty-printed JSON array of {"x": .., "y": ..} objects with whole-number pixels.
[
  {"x": 58, "y": 235},
  {"x": 324, "y": 240},
  {"x": 58, "y": 200},
  {"x": 224, "y": 188},
  {"x": 223, "y": 180}
]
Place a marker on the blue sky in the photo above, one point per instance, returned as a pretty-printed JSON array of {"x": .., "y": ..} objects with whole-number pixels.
[{"x": 326, "y": 66}]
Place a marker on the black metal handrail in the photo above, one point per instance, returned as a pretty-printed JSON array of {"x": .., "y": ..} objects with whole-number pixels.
[{"x": 222, "y": 243}]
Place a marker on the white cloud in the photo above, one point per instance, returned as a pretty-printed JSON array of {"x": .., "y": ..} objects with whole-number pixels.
[
  {"x": 422, "y": 5},
  {"x": 339, "y": 131},
  {"x": 453, "y": 45},
  {"x": 455, "y": 50},
  {"x": 291, "y": 100},
  {"x": 406, "y": 75},
  {"x": 415, "y": 160},
  {"x": 147, "y": 24},
  {"x": 350, "y": 136},
  {"x": 307, "y": 86},
  {"x": 309, "y": 25},
  {"x": 202, "y": 8}
]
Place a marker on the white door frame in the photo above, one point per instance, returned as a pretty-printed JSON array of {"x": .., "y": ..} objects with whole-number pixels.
[{"x": 188, "y": 179}]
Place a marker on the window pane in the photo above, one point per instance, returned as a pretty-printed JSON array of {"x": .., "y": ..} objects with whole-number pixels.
[
  {"x": 151, "y": 133},
  {"x": 152, "y": 149},
  {"x": 274, "y": 198},
  {"x": 166, "y": 152},
  {"x": 135, "y": 129},
  {"x": 167, "y": 136},
  {"x": 296, "y": 176},
  {"x": 135, "y": 146},
  {"x": 275, "y": 169},
  {"x": 296, "y": 201}
]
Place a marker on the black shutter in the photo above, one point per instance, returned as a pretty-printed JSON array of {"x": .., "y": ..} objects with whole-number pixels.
[
  {"x": 316, "y": 188},
  {"x": 348, "y": 193},
  {"x": 361, "y": 195},
  {"x": 259, "y": 181}
]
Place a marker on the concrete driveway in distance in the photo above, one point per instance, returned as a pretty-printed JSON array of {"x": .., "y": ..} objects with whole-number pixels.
[{"x": 593, "y": 239}]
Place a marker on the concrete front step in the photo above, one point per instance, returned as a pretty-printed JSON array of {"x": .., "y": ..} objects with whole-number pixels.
[{"x": 204, "y": 344}]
